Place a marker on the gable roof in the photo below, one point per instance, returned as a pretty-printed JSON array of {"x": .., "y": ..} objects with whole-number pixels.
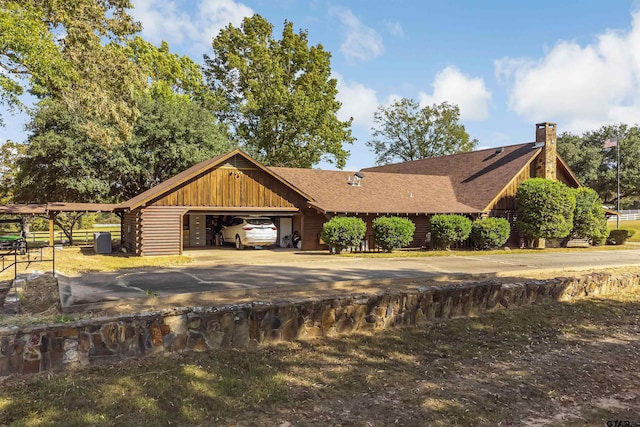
[
  {"x": 477, "y": 177},
  {"x": 172, "y": 183},
  {"x": 378, "y": 192}
]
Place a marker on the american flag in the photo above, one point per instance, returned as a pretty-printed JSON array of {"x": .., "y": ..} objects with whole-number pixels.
[{"x": 611, "y": 142}]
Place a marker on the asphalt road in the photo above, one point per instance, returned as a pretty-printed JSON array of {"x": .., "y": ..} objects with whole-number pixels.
[{"x": 230, "y": 270}]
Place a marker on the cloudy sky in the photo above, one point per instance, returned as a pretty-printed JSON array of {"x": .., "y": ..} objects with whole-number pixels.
[{"x": 507, "y": 64}]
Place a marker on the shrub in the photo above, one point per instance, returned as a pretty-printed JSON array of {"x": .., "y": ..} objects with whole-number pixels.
[
  {"x": 589, "y": 220},
  {"x": 619, "y": 236},
  {"x": 447, "y": 229},
  {"x": 342, "y": 232},
  {"x": 545, "y": 209},
  {"x": 490, "y": 233},
  {"x": 393, "y": 232}
]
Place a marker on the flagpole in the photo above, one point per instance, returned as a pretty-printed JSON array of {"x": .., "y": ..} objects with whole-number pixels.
[{"x": 618, "y": 167}]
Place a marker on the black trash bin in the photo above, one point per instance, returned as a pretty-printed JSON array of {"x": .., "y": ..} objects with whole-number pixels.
[{"x": 102, "y": 242}]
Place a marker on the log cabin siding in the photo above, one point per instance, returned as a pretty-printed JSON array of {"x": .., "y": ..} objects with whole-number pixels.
[
  {"x": 162, "y": 230},
  {"x": 131, "y": 231}
]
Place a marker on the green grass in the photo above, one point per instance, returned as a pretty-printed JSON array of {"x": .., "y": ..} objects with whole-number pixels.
[
  {"x": 631, "y": 225},
  {"x": 542, "y": 362}
]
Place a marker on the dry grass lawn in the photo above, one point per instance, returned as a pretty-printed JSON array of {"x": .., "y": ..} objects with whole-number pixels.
[{"x": 569, "y": 364}]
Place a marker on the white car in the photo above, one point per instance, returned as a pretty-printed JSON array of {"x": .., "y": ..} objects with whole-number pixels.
[{"x": 249, "y": 231}]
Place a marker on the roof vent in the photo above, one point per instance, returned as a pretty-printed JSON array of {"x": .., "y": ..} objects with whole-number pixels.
[
  {"x": 499, "y": 150},
  {"x": 357, "y": 177}
]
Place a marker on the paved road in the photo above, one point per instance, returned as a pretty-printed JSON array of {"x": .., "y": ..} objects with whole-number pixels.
[{"x": 230, "y": 270}]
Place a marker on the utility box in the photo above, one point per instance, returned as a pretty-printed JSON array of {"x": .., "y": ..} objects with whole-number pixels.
[{"x": 102, "y": 242}]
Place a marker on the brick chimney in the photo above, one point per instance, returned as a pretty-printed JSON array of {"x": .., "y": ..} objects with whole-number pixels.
[{"x": 546, "y": 166}]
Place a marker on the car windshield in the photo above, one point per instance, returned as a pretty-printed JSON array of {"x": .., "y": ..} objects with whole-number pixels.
[{"x": 258, "y": 221}]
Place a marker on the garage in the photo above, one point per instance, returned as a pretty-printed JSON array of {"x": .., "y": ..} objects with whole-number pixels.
[{"x": 185, "y": 211}]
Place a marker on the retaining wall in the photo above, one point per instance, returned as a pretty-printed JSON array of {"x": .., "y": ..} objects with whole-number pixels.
[{"x": 27, "y": 350}]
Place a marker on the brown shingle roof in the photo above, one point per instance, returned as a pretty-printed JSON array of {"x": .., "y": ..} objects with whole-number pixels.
[
  {"x": 477, "y": 177},
  {"x": 378, "y": 193}
]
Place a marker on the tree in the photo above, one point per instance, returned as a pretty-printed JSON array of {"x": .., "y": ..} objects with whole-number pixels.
[
  {"x": 277, "y": 95},
  {"x": 596, "y": 167},
  {"x": 392, "y": 232},
  {"x": 589, "y": 220},
  {"x": 75, "y": 53},
  {"x": 61, "y": 162},
  {"x": 171, "y": 135},
  {"x": 545, "y": 209},
  {"x": 404, "y": 132},
  {"x": 448, "y": 229},
  {"x": 10, "y": 154}
]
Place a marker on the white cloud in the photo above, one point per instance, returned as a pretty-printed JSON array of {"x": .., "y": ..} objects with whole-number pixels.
[
  {"x": 358, "y": 101},
  {"x": 362, "y": 43},
  {"x": 582, "y": 87},
  {"x": 168, "y": 20},
  {"x": 394, "y": 28},
  {"x": 469, "y": 93}
]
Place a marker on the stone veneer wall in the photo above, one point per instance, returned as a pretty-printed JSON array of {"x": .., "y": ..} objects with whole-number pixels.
[{"x": 35, "y": 349}]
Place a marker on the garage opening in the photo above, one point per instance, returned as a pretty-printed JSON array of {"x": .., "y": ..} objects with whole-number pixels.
[{"x": 205, "y": 229}]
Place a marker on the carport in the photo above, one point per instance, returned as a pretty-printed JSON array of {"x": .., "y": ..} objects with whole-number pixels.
[
  {"x": 182, "y": 211},
  {"x": 52, "y": 210}
]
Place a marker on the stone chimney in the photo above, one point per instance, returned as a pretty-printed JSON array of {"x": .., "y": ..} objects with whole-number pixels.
[{"x": 546, "y": 166}]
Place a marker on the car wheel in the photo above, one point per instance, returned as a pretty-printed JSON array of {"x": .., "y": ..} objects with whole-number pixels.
[
  {"x": 239, "y": 244},
  {"x": 221, "y": 241}
]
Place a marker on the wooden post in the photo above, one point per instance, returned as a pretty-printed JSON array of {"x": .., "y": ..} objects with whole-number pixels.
[{"x": 51, "y": 216}]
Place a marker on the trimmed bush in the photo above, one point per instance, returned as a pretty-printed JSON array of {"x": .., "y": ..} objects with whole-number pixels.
[
  {"x": 342, "y": 231},
  {"x": 545, "y": 209},
  {"x": 448, "y": 229},
  {"x": 393, "y": 232},
  {"x": 589, "y": 220},
  {"x": 490, "y": 233},
  {"x": 619, "y": 236}
]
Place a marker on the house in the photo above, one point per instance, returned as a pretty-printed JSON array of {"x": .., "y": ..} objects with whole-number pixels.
[{"x": 184, "y": 211}]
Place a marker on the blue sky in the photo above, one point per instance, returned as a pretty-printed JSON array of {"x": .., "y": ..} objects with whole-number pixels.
[{"x": 507, "y": 64}]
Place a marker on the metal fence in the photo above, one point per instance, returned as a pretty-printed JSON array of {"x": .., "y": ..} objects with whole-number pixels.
[
  {"x": 79, "y": 236},
  {"x": 627, "y": 215}
]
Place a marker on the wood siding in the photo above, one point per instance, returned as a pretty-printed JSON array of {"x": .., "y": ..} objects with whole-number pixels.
[
  {"x": 161, "y": 230},
  {"x": 131, "y": 231},
  {"x": 231, "y": 187},
  {"x": 423, "y": 226},
  {"x": 311, "y": 228},
  {"x": 507, "y": 199}
]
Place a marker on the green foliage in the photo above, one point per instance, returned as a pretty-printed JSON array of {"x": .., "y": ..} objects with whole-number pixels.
[
  {"x": 545, "y": 209},
  {"x": 406, "y": 132},
  {"x": 589, "y": 220},
  {"x": 63, "y": 163},
  {"x": 596, "y": 167},
  {"x": 341, "y": 232},
  {"x": 10, "y": 153},
  {"x": 393, "y": 232},
  {"x": 277, "y": 95},
  {"x": 171, "y": 135},
  {"x": 448, "y": 229},
  {"x": 489, "y": 233},
  {"x": 74, "y": 52},
  {"x": 619, "y": 236}
]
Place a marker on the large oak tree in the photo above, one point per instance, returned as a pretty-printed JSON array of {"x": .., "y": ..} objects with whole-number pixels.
[
  {"x": 596, "y": 167},
  {"x": 405, "y": 132},
  {"x": 277, "y": 95}
]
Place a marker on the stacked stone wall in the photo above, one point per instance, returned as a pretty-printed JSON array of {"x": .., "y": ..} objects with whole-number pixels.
[{"x": 27, "y": 350}]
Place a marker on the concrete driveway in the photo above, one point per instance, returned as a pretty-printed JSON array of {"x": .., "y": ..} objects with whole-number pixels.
[{"x": 228, "y": 270}]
